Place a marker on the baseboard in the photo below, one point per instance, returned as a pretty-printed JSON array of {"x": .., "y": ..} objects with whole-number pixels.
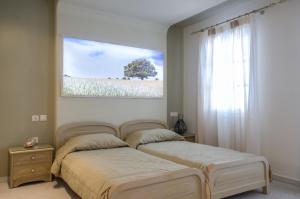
[
  {"x": 287, "y": 180},
  {"x": 3, "y": 179}
]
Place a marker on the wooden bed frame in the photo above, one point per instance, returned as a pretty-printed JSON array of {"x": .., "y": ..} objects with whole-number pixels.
[
  {"x": 182, "y": 184},
  {"x": 224, "y": 179}
]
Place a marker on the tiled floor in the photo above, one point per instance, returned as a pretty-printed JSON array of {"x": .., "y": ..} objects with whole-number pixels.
[
  {"x": 58, "y": 190},
  {"x": 279, "y": 190}
]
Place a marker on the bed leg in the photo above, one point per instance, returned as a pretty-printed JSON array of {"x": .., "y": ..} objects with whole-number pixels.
[{"x": 266, "y": 190}]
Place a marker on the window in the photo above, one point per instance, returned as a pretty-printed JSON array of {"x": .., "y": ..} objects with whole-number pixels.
[{"x": 226, "y": 68}]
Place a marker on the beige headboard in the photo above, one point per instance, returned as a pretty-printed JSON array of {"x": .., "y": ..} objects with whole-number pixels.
[
  {"x": 67, "y": 131},
  {"x": 136, "y": 125}
]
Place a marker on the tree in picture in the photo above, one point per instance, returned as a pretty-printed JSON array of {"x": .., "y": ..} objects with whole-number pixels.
[{"x": 140, "y": 68}]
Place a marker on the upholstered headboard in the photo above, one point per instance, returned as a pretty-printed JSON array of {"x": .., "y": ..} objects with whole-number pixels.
[
  {"x": 67, "y": 131},
  {"x": 136, "y": 125}
]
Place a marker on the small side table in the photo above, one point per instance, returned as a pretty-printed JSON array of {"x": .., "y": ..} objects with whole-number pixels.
[
  {"x": 190, "y": 137},
  {"x": 29, "y": 164}
]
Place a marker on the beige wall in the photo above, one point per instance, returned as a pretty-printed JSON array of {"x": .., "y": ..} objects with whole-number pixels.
[
  {"x": 26, "y": 72},
  {"x": 175, "y": 70}
]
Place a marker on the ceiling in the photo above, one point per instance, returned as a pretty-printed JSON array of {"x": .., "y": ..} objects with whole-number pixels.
[{"x": 166, "y": 12}]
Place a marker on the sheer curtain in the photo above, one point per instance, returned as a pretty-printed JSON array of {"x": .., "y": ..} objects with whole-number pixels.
[{"x": 228, "y": 101}]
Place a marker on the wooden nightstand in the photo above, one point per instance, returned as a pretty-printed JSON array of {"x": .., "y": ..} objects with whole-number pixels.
[
  {"x": 189, "y": 137},
  {"x": 29, "y": 164}
]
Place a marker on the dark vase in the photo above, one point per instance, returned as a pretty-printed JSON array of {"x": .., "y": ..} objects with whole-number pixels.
[{"x": 180, "y": 126}]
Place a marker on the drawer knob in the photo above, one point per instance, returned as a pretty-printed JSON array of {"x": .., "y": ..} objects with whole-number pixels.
[
  {"x": 32, "y": 170},
  {"x": 33, "y": 157}
]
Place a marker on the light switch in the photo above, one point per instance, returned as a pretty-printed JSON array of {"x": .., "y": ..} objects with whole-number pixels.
[
  {"x": 35, "y": 118},
  {"x": 36, "y": 140},
  {"x": 43, "y": 118}
]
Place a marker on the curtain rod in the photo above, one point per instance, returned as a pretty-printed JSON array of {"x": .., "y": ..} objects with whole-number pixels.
[{"x": 260, "y": 10}]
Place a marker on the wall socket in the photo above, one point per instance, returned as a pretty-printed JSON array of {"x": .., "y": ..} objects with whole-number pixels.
[
  {"x": 35, "y": 140},
  {"x": 39, "y": 118},
  {"x": 35, "y": 118}
]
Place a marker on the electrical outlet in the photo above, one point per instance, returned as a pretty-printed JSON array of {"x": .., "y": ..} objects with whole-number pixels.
[
  {"x": 174, "y": 114},
  {"x": 43, "y": 118},
  {"x": 35, "y": 118}
]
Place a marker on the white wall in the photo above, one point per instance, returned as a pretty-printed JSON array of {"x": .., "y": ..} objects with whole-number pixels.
[
  {"x": 85, "y": 23},
  {"x": 278, "y": 62},
  {"x": 279, "y": 69}
]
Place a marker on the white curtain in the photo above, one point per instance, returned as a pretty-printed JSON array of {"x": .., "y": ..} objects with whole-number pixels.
[{"x": 228, "y": 101}]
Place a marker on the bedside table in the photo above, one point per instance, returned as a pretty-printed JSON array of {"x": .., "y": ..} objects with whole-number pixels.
[
  {"x": 30, "y": 164},
  {"x": 189, "y": 137}
]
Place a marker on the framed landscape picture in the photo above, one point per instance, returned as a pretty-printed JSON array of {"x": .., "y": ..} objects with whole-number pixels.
[{"x": 94, "y": 69}]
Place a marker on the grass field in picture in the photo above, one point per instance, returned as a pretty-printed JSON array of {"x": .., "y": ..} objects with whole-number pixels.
[{"x": 96, "y": 87}]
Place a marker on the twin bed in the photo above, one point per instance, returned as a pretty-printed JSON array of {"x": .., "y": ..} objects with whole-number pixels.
[
  {"x": 227, "y": 172},
  {"x": 99, "y": 166},
  {"x": 168, "y": 169}
]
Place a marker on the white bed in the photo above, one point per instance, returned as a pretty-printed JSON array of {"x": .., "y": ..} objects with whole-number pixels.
[
  {"x": 81, "y": 170},
  {"x": 238, "y": 173}
]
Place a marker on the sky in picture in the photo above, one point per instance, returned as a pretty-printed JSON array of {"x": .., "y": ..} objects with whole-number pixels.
[{"x": 90, "y": 59}]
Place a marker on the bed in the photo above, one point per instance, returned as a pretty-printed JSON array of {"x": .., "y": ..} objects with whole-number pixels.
[
  {"x": 119, "y": 172},
  {"x": 227, "y": 172}
]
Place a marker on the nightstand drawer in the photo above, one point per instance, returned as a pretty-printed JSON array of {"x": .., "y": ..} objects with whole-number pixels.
[
  {"x": 25, "y": 179},
  {"x": 31, "y": 158},
  {"x": 38, "y": 169}
]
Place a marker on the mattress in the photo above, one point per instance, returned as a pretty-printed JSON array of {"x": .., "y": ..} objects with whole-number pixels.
[
  {"x": 227, "y": 172},
  {"x": 194, "y": 155},
  {"x": 95, "y": 174}
]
